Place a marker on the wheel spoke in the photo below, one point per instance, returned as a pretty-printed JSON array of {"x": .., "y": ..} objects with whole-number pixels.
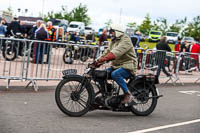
[{"x": 81, "y": 104}]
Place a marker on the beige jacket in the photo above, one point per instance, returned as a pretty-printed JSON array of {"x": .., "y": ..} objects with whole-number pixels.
[{"x": 124, "y": 51}]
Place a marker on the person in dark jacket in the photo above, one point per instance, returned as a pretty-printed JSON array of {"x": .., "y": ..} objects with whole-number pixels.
[
  {"x": 40, "y": 34},
  {"x": 35, "y": 27},
  {"x": 160, "y": 57},
  {"x": 23, "y": 29},
  {"x": 14, "y": 27}
]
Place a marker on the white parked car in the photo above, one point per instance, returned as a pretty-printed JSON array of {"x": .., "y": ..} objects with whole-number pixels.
[
  {"x": 75, "y": 26},
  {"x": 88, "y": 30},
  {"x": 172, "y": 37}
]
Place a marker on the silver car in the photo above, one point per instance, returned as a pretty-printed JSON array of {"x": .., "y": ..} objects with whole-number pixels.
[{"x": 188, "y": 39}]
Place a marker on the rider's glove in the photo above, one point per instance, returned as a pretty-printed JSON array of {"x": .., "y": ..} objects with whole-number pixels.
[{"x": 108, "y": 57}]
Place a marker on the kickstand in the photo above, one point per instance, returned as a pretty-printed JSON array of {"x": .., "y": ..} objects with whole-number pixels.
[{"x": 34, "y": 85}]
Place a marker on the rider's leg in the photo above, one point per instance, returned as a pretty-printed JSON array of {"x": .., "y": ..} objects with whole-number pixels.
[
  {"x": 102, "y": 81},
  {"x": 118, "y": 76}
]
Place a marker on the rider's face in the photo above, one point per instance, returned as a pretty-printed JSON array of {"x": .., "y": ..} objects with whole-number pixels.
[{"x": 113, "y": 34}]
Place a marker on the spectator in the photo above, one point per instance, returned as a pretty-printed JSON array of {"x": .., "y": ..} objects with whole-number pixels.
[
  {"x": 103, "y": 37},
  {"x": 162, "y": 45},
  {"x": 14, "y": 27},
  {"x": 52, "y": 32},
  {"x": 4, "y": 22},
  {"x": 184, "y": 47},
  {"x": 3, "y": 29},
  {"x": 90, "y": 37},
  {"x": 75, "y": 37},
  {"x": 177, "y": 45},
  {"x": 32, "y": 32},
  {"x": 67, "y": 36},
  {"x": 23, "y": 29},
  {"x": 72, "y": 37},
  {"x": 195, "y": 49},
  {"x": 137, "y": 36},
  {"x": 40, "y": 34}
]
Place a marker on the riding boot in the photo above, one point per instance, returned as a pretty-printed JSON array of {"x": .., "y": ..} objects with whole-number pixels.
[{"x": 127, "y": 98}]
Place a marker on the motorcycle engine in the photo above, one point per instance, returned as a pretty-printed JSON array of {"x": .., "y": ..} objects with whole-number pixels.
[{"x": 114, "y": 101}]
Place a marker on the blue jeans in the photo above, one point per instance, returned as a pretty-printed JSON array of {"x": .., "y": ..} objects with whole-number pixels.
[
  {"x": 162, "y": 67},
  {"x": 118, "y": 76}
]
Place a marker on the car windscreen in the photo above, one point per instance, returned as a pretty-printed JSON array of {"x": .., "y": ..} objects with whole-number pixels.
[
  {"x": 57, "y": 22},
  {"x": 188, "y": 38},
  {"x": 172, "y": 34},
  {"x": 155, "y": 33},
  {"x": 88, "y": 28},
  {"x": 73, "y": 26},
  {"x": 100, "y": 30}
]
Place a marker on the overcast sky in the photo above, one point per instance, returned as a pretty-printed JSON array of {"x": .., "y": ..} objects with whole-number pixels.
[{"x": 102, "y": 10}]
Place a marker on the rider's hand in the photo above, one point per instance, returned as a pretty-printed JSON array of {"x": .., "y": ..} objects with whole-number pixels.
[{"x": 95, "y": 64}]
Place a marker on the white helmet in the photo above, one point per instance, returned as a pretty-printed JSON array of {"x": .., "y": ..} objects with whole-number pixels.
[{"x": 118, "y": 29}]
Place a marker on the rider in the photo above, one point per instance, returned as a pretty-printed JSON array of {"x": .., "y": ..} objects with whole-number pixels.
[{"x": 124, "y": 62}]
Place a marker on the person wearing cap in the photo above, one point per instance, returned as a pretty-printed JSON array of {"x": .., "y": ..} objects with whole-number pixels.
[
  {"x": 14, "y": 27},
  {"x": 124, "y": 62}
]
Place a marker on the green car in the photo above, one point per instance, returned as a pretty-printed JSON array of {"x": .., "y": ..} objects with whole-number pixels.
[{"x": 154, "y": 36}]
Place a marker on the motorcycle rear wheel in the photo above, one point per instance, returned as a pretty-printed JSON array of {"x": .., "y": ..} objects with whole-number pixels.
[{"x": 145, "y": 96}]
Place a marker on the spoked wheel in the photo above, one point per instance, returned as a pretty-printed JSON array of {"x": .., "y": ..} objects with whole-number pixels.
[
  {"x": 73, "y": 97},
  {"x": 67, "y": 57},
  {"x": 9, "y": 52},
  {"x": 145, "y": 96}
]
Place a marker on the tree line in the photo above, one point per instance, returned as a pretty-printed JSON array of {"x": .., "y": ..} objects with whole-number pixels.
[{"x": 182, "y": 26}]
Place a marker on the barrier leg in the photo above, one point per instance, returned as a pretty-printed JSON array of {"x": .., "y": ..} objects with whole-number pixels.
[
  {"x": 171, "y": 79},
  {"x": 7, "y": 84},
  {"x": 197, "y": 80},
  {"x": 34, "y": 85},
  {"x": 177, "y": 78}
]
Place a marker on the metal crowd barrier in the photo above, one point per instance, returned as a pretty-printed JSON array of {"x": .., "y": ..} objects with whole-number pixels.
[
  {"x": 175, "y": 63},
  {"x": 34, "y": 60}
]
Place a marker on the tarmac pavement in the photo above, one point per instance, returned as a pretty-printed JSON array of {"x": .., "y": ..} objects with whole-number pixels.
[{"x": 25, "y": 111}]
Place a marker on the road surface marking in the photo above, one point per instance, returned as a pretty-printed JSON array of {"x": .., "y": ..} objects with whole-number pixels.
[
  {"x": 190, "y": 92},
  {"x": 166, "y": 126}
]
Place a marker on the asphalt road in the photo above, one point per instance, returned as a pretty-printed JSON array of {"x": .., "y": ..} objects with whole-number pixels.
[{"x": 25, "y": 111}]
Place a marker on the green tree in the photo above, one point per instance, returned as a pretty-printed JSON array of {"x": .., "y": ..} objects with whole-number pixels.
[
  {"x": 80, "y": 14},
  {"x": 108, "y": 23},
  {"x": 193, "y": 28},
  {"x": 178, "y": 26},
  {"x": 132, "y": 25},
  {"x": 161, "y": 24},
  {"x": 146, "y": 25},
  {"x": 77, "y": 14}
]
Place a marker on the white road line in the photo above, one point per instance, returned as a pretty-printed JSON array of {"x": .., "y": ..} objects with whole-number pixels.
[{"x": 166, "y": 126}]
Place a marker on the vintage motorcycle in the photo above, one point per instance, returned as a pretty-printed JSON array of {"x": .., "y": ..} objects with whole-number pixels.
[
  {"x": 11, "y": 49},
  {"x": 75, "y": 95},
  {"x": 79, "y": 51}
]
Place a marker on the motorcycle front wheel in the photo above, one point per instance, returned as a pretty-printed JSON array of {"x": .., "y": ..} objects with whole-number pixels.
[
  {"x": 9, "y": 52},
  {"x": 73, "y": 96}
]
